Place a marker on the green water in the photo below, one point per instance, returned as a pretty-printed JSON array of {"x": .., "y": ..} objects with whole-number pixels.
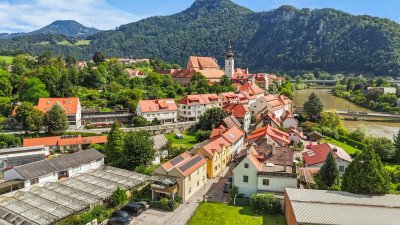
[{"x": 381, "y": 129}]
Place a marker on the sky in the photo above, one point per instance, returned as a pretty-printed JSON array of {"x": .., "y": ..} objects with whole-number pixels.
[{"x": 30, "y": 15}]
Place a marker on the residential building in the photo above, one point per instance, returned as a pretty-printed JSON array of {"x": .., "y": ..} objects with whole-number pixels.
[
  {"x": 265, "y": 80},
  {"x": 71, "y": 106},
  {"x": 277, "y": 104},
  {"x": 132, "y": 73},
  {"x": 96, "y": 118},
  {"x": 182, "y": 176},
  {"x": 241, "y": 113},
  {"x": 306, "y": 177},
  {"x": 267, "y": 118},
  {"x": 54, "y": 169},
  {"x": 160, "y": 142},
  {"x": 231, "y": 122},
  {"x": 316, "y": 156},
  {"x": 227, "y": 98},
  {"x": 217, "y": 152},
  {"x": 65, "y": 143},
  {"x": 314, "y": 136},
  {"x": 191, "y": 107},
  {"x": 12, "y": 157},
  {"x": 165, "y": 110},
  {"x": 383, "y": 90},
  {"x": 234, "y": 136},
  {"x": 307, "y": 206},
  {"x": 288, "y": 120},
  {"x": 251, "y": 87},
  {"x": 270, "y": 135},
  {"x": 295, "y": 134},
  {"x": 265, "y": 170}
]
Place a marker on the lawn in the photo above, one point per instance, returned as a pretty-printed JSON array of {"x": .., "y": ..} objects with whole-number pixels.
[
  {"x": 7, "y": 59},
  {"x": 189, "y": 139},
  {"x": 220, "y": 213},
  {"x": 82, "y": 42},
  {"x": 349, "y": 149}
]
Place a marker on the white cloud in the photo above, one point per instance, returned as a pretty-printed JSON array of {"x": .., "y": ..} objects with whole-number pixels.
[{"x": 29, "y": 15}]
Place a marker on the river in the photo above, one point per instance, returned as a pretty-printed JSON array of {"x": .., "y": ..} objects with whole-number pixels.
[{"x": 381, "y": 129}]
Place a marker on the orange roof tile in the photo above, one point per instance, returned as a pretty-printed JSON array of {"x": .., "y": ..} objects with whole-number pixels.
[
  {"x": 251, "y": 87},
  {"x": 238, "y": 110},
  {"x": 175, "y": 161},
  {"x": 216, "y": 145},
  {"x": 271, "y": 132},
  {"x": 70, "y": 105},
  {"x": 179, "y": 163},
  {"x": 233, "y": 135},
  {"x": 199, "y": 99},
  {"x": 94, "y": 140},
  {"x": 157, "y": 105},
  {"x": 201, "y": 63},
  {"x": 218, "y": 131},
  {"x": 64, "y": 141},
  {"x": 46, "y": 141}
]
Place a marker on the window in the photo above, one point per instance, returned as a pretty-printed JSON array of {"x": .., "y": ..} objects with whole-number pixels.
[
  {"x": 246, "y": 179},
  {"x": 34, "y": 181},
  {"x": 266, "y": 182},
  {"x": 190, "y": 189},
  {"x": 215, "y": 168},
  {"x": 341, "y": 168},
  {"x": 198, "y": 171},
  {"x": 190, "y": 177},
  {"x": 246, "y": 165},
  {"x": 198, "y": 183}
]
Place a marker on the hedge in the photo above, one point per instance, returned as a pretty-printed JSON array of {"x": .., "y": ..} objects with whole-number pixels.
[
  {"x": 352, "y": 143},
  {"x": 265, "y": 203}
]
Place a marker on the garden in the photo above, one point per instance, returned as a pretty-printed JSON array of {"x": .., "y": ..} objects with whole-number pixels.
[{"x": 186, "y": 142}]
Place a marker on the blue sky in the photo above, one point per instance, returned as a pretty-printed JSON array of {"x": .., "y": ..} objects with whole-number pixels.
[{"x": 29, "y": 15}]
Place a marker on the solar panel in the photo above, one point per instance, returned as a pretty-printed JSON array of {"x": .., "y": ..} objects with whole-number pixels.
[
  {"x": 190, "y": 163},
  {"x": 176, "y": 160}
]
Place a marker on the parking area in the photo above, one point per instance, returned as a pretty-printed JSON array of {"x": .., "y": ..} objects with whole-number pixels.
[{"x": 151, "y": 217}]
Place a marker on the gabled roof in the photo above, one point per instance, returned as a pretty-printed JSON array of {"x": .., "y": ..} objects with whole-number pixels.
[
  {"x": 231, "y": 121},
  {"x": 294, "y": 130},
  {"x": 184, "y": 163},
  {"x": 216, "y": 145},
  {"x": 251, "y": 87},
  {"x": 199, "y": 99},
  {"x": 271, "y": 116},
  {"x": 64, "y": 141},
  {"x": 218, "y": 131},
  {"x": 286, "y": 114},
  {"x": 70, "y": 105},
  {"x": 44, "y": 167},
  {"x": 318, "y": 153},
  {"x": 271, "y": 132},
  {"x": 157, "y": 105},
  {"x": 233, "y": 135},
  {"x": 238, "y": 110},
  {"x": 202, "y": 63}
]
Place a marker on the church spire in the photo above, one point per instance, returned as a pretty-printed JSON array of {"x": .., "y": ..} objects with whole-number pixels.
[{"x": 229, "y": 53}]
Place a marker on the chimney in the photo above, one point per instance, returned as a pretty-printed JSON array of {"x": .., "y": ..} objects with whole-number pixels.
[
  {"x": 294, "y": 168},
  {"x": 334, "y": 149},
  {"x": 273, "y": 149}
]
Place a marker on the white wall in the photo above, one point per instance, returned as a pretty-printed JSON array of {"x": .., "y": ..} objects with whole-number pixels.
[
  {"x": 277, "y": 183},
  {"x": 239, "y": 171},
  {"x": 290, "y": 122},
  {"x": 339, "y": 163}
]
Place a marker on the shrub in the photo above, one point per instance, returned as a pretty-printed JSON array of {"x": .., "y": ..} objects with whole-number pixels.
[
  {"x": 165, "y": 204},
  {"x": 265, "y": 203},
  {"x": 139, "y": 121},
  {"x": 118, "y": 197},
  {"x": 202, "y": 135},
  {"x": 352, "y": 142}
]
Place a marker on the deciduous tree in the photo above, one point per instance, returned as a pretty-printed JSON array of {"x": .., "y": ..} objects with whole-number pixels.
[
  {"x": 396, "y": 139},
  {"x": 211, "y": 118},
  {"x": 383, "y": 147},
  {"x": 313, "y": 106},
  {"x": 115, "y": 145},
  {"x": 138, "y": 149},
  {"x": 56, "y": 120}
]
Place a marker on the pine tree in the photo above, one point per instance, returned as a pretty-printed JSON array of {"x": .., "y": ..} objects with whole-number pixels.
[
  {"x": 115, "y": 145},
  {"x": 56, "y": 120},
  {"x": 366, "y": 174},
  {"x": 396, "y": 139},
  {"x": 329, "y": 173},
  {"x": 313, "y": 106}
]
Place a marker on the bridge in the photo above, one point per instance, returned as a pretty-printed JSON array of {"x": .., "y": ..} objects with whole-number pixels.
[
  {"x": 333, "y": 82},
  {"x": 360, "y": 114}
]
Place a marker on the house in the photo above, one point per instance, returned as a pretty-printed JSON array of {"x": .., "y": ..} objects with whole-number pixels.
[
  {"x": 165, "y": 110},
  {"x": 261, "y": 170},
  {"x": 307, "y": 206},
  {"x": 383, "y": 90},
  {"x": 54, "y": 169},
  {"x": 272, "y": 136},
  {"x": 252, "y": 88},
  {"x": 295, "y": 134},
  {"x": 314, "y": 136},
  {"x": 130, "y": 61},
  {"x": 267, "y": 118},
  {"x": 241, "y": 113},
  {"x": 12, "y": 157},
  {"x": 288, "y": 120},
  {"x": 306, "y": 177},
  {"x": 231, "y": 122},
  {"x": 96, "y": 118},
  {"x": 71, "y": 106},
  {"x": 277, "y": 104},
  {"x": 160, "y": 142},
  {"x": 191, "y": 107},
  {"x": 207, "y": 66},
  {"x": 233, "y": 98},
  {"x": 65, "y": 143},
  {"x": 132, "y": 73},
  {"x": 217, "y": 152},
  {"x": 235, "y": 137},
  {"x": 265, "y": 80},
  {"x": 316, "y": 156},
  {"x": 181, "y": 177}
]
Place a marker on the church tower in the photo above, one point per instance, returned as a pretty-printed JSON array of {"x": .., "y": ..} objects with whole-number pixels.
[{"x": 229, "y": 62}]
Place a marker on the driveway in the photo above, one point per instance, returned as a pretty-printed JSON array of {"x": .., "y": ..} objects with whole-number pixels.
[{"x": 213, "y": 189}]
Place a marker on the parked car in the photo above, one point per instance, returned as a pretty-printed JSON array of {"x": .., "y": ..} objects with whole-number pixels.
[
  {"x": 133, "y": 209},
  {"x": 179, "y": 136},
  {"x": 226, "y": 187},
  {"x": 118, "y": 221},
  {"x": 230, "y": 179},
  {"x": 144, "y": 204},
  {"x": 123, "y": 214}
]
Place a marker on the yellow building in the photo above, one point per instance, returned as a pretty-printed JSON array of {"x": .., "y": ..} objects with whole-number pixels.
[
  {"x": 182, "y": 176},
  {"x": 218, "y": 154}
]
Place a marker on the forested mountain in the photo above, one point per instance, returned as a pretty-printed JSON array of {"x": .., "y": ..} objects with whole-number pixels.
[
  {"x": 285, "y": 39},
  {"x": 68, "y": 28}
]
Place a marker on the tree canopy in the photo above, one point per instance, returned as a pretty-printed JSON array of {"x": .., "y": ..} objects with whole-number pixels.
[
  {"x": 211, "y": 118},
  {"x": 329, "y": 173},
  {"x": 56, "y": 120},
  {"x": 313, "y": 106},
  {"x": 138, "y": 149}
]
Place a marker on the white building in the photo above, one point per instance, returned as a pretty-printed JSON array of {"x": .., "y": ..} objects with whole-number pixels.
[
  {"x": 265, "y": 171},
  {"x": 191, "y": 107},
  {"x": 12, "y": 157},
  {"x": 229, "y": 62},
  {"x": 316, "y": 156},
  {"x": 276, "y": 104},
  {"x": 165, "y": 110},
  {"x": 54, "y": 169},
  {"x": 72, "y": 107}
]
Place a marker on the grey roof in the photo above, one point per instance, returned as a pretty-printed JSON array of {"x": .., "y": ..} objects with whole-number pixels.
[
  {"x": 336, "y": 207},
  {"x": 231, "y": 122},
  {"x": 160, "y": 141},
  {"x": 43, "y": 167}
]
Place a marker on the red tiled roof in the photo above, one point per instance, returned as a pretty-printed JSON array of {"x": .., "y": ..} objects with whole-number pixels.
[
  {"x": 238, "y": 110},
  {"x": 286, "y": 115},
  {"x": 183, "y": 159},
  {"x": 271, "y": 132},
  {"x": 70, "y": 105},
  {"x": 95, "y": 140},
  {"x": 318, "y": 153},
  {"x": 233, "y": 135},
  {"x": 271, "y": 116},
  {"x": 295, "y": 131},
  {"x": 157, "y": 105},
  {"x": 69, "y": 141},
  {"x": 168, "y": 165},
  {"x": 64, "y": 141},
  {"x": 253, "y": 157},
  {"x": 46, "y": 141},
  {"x": 218, "y": 131},
  {"x": 199, "y": 99},
  {"x": 216, "y": 145},
  {"x": 251, "y": 87},
  {"x": 201, "y": 63}
]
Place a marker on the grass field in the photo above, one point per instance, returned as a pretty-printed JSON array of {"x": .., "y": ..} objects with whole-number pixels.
[
  {"x": 223, "y": 214},
  {"x": 82, "y": 42},
  {"x": 189, "y": 139},
  {"x": 349, "y": 149},
  {"x": 7, "y": 59}
]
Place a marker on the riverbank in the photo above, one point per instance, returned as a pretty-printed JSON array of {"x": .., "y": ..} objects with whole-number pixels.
[{"x": 377, "y": 129}]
